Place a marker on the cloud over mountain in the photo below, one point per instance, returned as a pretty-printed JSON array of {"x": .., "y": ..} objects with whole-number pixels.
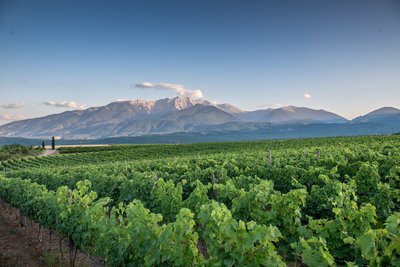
[
  {"x": 11, "y": 117},
  {"x": 13, "y": 105},
  {"x": 64, "y": 104},
  {"x": 178, "y": 88}
]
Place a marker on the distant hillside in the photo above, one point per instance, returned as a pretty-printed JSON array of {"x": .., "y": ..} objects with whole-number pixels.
[
  {"x": 386, "y": 115},
  {"x": 291, "y": 114},
  {"x": 182, "y": 115},
  {"x": 230, "y": 132}
]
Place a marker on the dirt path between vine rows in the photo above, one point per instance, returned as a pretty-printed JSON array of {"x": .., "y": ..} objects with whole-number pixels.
[
  {"x": 49, "y": 152},
  {"x": 20, "y": 246}
]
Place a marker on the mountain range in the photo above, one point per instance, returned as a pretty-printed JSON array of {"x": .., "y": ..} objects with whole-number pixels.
[{"x": 187, "y": 115}]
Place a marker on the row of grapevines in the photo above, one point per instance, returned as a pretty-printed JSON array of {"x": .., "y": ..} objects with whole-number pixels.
[
  {"x": 303, "y": 147},
  {"x": 131, "y": 235}
]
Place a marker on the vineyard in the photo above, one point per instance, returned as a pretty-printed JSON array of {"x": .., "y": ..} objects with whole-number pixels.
[{"x": 306, "y": 202}]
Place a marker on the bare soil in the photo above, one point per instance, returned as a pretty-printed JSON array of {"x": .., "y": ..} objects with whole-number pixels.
[
  {"x": 24, "y": 246},
  {"x": 49, "y": 152}
]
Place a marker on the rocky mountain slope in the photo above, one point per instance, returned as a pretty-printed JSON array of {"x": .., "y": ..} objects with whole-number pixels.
[{"x": 180, "y": 114}]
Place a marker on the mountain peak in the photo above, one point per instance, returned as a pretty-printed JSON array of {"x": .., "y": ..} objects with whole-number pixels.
[
  {"x": 293, "y": 114},
  {"x": 288, "y": 108},
  {"x": 185, "y": 102},
  {"x": 388, "y": 114},
  {"x": 384, "y": 111},
  {"x": 228, "y": 108},
  {"x": 140, "y": 102},
  {"x": 180, "y": 114}
]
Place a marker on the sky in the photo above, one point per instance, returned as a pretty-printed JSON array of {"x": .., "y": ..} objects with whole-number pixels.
[{"x": 340, "y": 55}]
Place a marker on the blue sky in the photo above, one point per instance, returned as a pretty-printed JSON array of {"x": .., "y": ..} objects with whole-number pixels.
[{"x": 253, "y": 54}]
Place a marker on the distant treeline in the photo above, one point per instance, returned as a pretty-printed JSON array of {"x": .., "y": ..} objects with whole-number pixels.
[{"x": 16, "y": 150}]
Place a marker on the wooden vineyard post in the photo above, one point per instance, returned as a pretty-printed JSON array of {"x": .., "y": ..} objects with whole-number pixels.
[
  {"x": 269, "y": 158},
  {"x": 71, "y": 251},
  {"x": 22, "y": 220},
  {"x": 213, "y": 183},
  {"x": 318, "y": 155},
  {"x": 50, "y": 233},
  {"x": 39, "y": 236},
  {"x": 60, "y": 247}
]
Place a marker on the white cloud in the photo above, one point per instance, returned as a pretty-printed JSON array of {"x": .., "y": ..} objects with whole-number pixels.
[
  {"x": 307, "y": 96},
  {"x": 13, "y": 105},
  {"x": 11, "y": 117},
  {"x": 64, "y": 104},
  {"x": 121, "y": 100},
  {"x": 178, "y": 88}
]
